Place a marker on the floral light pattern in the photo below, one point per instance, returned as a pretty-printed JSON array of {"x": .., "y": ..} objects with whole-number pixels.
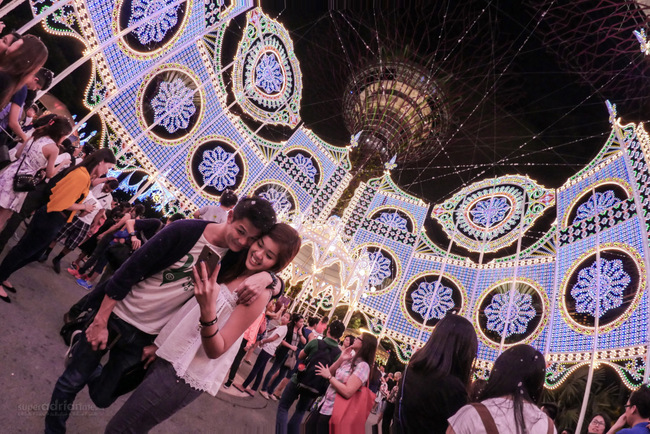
[
  {"x": 268, "y": 74},
  {"x": 379, "y": 268},
  {"x": 613, "y": 281},
  {"x": 219, "y": 168},
  {"x": 394, "y": 220},
  {"x": 597, "y": 203},
  {"x": 490, "y": 211},
  {"x": 510, "y": 312},
  {"x": 432, "y": 300},
  {"x": 278, "y": 199},
  {"x": 305, "y": 165},
  {"x": 173, "y": 105},
  {"x": 152, "y": 29}
]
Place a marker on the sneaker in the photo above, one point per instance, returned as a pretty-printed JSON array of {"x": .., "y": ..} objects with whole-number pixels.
[
  {"x": 84, "y": 284},
  {"x": 227, "y": 385},
  {"x": 56, "y": 264},
  {"x": 74, "y": 338},
  {"x": 43, "y": 257},
  {"x": 264, "y": 394},
  {"x": 74, "y": 273},
  {"x": 274, "y": 397}
]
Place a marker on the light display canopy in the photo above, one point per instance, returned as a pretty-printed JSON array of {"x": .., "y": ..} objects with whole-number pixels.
[{"x": 488, "y": 215}]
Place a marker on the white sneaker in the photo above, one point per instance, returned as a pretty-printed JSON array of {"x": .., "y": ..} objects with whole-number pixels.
[{"x": 264, "y": 394}]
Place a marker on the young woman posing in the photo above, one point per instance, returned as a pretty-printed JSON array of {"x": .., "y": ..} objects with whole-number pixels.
[
  {"x": 192, "y": 361},
  {"x": 345, "y": 376}
]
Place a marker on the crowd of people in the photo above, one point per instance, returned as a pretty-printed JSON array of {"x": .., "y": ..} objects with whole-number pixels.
[{"x": 176, "y": 306}]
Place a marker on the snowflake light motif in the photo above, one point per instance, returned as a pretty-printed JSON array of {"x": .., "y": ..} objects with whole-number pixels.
[
  {"x": 432, "y": 300},
  {"x": 152, "y": 29},
  {"x": 173, "y": 105},
  {"x": 613, "y": 281},
  {"x": 490, "y": 211},
  {"x": 219, "y": 168},
  {"x": 305, "y": 165},
  {"x": 278, "y": 199},
  {"x": 379, "y": 268},
  {"x": 394, "y": 220},
  {"x": 509, "y": 317},
  {"x": 597, "y": 203},
  {"x": 268, "y": 74}
]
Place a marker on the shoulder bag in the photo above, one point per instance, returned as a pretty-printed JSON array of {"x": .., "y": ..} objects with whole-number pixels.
[
  {"x": 349, "y": 415},
  {"x": 24, "y": 182}
]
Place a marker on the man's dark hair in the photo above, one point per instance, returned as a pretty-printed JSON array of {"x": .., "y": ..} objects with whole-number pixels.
[
  {"x": 258, "y": 211},
  {"x": 325, "y": 319},
  {"x": 88, "y": 149},
  {"x": 228, "y": 198},
  {"x": 113, "y": 184},
  {"x": 641, "y": 399},
  {"x": 177, "y": 216},
  {"x": 336, "y": 329},
  {"x": 312, "y": 321},
  {"x": 44, "y": 77},
  {"x": 138, "y": 210}
]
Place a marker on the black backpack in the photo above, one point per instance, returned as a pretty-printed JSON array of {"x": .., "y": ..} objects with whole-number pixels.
[{"x": 308, "y": 381}]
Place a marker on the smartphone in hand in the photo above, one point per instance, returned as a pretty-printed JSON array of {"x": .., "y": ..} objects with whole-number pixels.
[{"x": 210, "y": 257}]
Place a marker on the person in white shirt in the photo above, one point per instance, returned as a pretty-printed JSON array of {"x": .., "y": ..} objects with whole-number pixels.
[
  {"x": 268, "y": 347},
  {"x": 218, "y": 213}
]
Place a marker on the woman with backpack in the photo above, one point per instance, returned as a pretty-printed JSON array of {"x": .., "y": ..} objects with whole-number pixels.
[
  {"x": 65, "y": 200},
  {"x": 346, "y": 376},
  {"x": 434, "y": 384},
  {"x": 509, "y": 402}
]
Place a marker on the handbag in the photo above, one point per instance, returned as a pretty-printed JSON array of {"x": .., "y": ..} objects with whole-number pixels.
[
  {"x": 25, "y": 182},
  {"x": 290, "y": 361},
  {"x": 349, "y": 415}
]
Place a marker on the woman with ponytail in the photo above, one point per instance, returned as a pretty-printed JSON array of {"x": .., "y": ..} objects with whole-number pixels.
[{"x": 509, "y": 402}]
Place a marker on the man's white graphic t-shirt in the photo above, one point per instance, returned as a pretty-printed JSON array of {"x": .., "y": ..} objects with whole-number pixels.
[{"x": 153, "y": 301}]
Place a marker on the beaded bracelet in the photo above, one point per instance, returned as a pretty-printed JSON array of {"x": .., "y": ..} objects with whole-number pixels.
[{"x": 208, "y": 324}]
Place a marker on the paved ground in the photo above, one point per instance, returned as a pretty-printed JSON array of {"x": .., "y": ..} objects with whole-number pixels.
[{"x": 32, "y": 359}]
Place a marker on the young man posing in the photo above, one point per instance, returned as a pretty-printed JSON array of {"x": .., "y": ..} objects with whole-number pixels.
[{"x": 144, "y": 293}]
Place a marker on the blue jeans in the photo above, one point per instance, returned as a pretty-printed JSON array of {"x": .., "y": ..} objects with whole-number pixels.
[
  {"x": 278, "y": 365},
  {"x": 290, "y": 394},
  {"x": 258, "y": 370},
  {"x": 126, "y": 343},
  {"x": 160, "y": 395}
]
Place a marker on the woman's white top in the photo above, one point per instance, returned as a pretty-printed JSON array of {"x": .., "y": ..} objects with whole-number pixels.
[{"x": 179, "y": 342}]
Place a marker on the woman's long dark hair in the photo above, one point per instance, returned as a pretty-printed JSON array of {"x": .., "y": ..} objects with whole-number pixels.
[
  {"x": 91, "y": 161},
  {"x": 285, "y": 236},
  {"x": 450, "y": 350},
  {"x": 367, "y": 351},
  {"x": 21, "y": 63},
  {"x": 57, "y": 128},
  {"x": 518, "y": 373}
]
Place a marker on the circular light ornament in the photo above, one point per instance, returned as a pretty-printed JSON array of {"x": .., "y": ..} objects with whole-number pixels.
[
  {"x": 486, "y": 215},
  {"x": 215, "y": 165},
  {"x": 170, "y": 104},
  {"x": 427, "y": 300},
  {"x": 512, "y": 313},
  {"x": 267, "y": 82},
  {"x": 280, "y": 197},
  {"x": 155, "y": 35},
  {"x": 609, "y": 289}
]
